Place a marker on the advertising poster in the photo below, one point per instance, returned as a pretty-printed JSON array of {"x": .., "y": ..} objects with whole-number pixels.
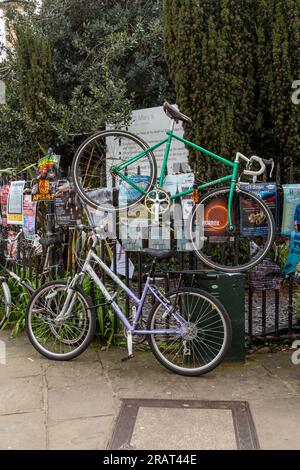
[
  {"x": 127, "y": 193},
  {"x": 121, "y": 262},
  {"x": 216, "y": 217},
  {"x": 67, "y": 205},
  {"x": 293, "y": 261},
  {"x": 291, "y": 209},
  {"x": 11, "y": 247},
  {"x": 253, "y": 221},
  {"x": 44, "y": 188},
  {"x": 29, "y": 217},
  {"x": 15, "y": 203},
  {"x": 3, "y": 201}
]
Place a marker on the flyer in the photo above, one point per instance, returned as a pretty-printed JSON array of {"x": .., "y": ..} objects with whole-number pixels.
[
  {"x": 216, "y": 217},
  {"x": 44, "y": 188},
  {"x": 29, "y": 217},
  {"x": 3, "y": 201},
  {"x": 67, "y": 205},
  {"x": 253, "y": 221},
  {"x": 293, "y": 262},
  {"x": 291, "y": 209},
  {"x": 15, "y": 203}
]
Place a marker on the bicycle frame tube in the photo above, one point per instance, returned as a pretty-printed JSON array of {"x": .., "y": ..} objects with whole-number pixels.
[{"x": 88, "y": 269}]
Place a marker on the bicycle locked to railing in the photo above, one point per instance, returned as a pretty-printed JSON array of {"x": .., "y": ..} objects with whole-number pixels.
[
  {"x": 188, "y": 330},
  {"x": 14, "y": 255},
  {"x": 119, "y": 159}
]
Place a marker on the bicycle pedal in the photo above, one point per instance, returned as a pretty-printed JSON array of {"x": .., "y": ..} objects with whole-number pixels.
[{"x": 125, "y": 359}]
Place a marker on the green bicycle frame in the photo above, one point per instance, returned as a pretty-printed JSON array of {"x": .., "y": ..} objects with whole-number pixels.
[{"x": 232, "y": 177}]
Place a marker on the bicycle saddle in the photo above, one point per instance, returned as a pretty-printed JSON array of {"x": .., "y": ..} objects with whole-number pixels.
[
  {"x": 174, "y": 113},
  {"x": 158, "y": 254}
]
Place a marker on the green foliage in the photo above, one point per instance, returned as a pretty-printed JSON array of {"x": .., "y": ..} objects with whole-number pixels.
[
  {"x": 296, "y": 305},
  {"x": 233, "y": 63},
  {"x": 77, "y": 64}
]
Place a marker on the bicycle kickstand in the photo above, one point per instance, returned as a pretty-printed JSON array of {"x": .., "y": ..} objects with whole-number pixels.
[{"x": 129, "y": 346}]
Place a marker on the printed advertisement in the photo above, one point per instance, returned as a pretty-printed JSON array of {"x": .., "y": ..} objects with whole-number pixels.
[
  {"x": 44, "y": 188},
  {"x": 293, "y": 261},
  {"x": 216, "y": 217},
  {"x": 127, "y": 193},
  {"x": 29, "y": 217},
  {"x": 15, "y": 203},
  {"x": 67, "y": 205},
  {"x": 253, "y": 221},
  {"x": 291, "y": 209},
  {"x": 3, "y": 201}
]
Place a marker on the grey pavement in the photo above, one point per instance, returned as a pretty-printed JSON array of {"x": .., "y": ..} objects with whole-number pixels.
[{"x": 74, "y": 405}]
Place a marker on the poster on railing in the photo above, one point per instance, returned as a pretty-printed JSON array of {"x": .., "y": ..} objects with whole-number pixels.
[
  {"x": 291, "y": 209},
  {"x": 3, "y": 202},
  {"x": 67, "y": 205},
  {"x": 216, "y": 218},
  {"x": 15, "y": 203},
  {"x": 293, "y": 262},
  {"x": 29, "y": 217},
  {"x": 44, "y": 188},
  {"x": 253, "y": 221}
]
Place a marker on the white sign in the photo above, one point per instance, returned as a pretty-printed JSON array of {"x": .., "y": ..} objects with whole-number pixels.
[
  {"x": 151, "y": 125},
  {"x": 15, "y": 203}
]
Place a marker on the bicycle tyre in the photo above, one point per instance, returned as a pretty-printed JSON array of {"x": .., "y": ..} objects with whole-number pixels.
[
  {"x": 118, "y": 134},
  {"x": 89, "y": 311},
  {"x": 225, "y": 327},
  {"x": 5, "y": 303},
  {"x": 261, "y": 252}
]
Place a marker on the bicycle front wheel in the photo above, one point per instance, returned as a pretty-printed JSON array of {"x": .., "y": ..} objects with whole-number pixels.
[
  {"x": 64, "y": 340},
  {"x": 241, "y": 248},
  {"x": 92, "y": 170},
  {"x": 209, "y": 332}
]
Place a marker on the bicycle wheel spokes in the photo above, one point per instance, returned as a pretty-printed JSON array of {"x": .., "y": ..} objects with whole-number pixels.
[
  {"x": 93, "y": 176},
  {"x": 247, "y": 243},
  {"x": 61, "y": 338},
  {"x": 203, "y": 346}
]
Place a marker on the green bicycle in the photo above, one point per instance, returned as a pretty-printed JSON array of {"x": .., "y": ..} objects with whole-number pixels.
[{"x": 238, "y": 226}]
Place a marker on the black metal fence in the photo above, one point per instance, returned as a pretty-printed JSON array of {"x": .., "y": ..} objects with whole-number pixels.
[{"x": 270, "y": 312}]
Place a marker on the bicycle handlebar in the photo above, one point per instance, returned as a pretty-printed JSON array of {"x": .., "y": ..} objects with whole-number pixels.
[{"x": 252, "y": 172}]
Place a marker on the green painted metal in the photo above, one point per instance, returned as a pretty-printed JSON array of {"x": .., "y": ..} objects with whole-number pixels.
[
  {"x": 203, "y": 186},
  {"x": 137, "y": 157},
  {"x": 231, "y": 192},
  {"x": 165, "y": 161},
  {"x": 200, "y": 149},
  {"x": 168, "y": 141},
  {"x": 129, "y": 181}
]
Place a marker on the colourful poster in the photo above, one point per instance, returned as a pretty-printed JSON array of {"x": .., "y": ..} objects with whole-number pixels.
[
  {"x": 293, "y": 261},
  {"x": 253, "y": 220},
  {"x": 29, "y": 217},
  {"x": 291, "y": 209},
  {"x": 216, "y": 217},
  {"x": 44, "y": 188},
  {"x": 15, "y": 203},
  {"x": 3, "y": 201},
  {"x": 67, "y": 205}
]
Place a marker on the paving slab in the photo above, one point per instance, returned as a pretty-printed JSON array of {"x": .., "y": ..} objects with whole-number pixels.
[
  {"x": 21, "y": 395},
  {"x": 75, "y": 405},
  {"x": 81, "y": 401},
  {"x": 23, "y": 431},
  {"x": 85, "y": 433}
]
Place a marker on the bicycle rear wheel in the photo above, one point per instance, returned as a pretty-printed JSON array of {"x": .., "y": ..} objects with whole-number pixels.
[
  {"x": 234, "y": 250},
  {"x": 208, "y": 339},
  {"x": 92, "y": 164},
  {"x": 5, "y": 302},
  {"x": 68, "y": 339}
]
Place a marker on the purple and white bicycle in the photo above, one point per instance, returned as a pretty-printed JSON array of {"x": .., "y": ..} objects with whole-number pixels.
[{"x": 188, "y": 330}]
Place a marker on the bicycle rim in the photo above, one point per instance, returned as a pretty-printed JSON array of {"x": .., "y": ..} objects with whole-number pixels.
[
  {"x": 59, "y": 341},
  {"x": 94, "y": 180},
  {"x": 204, "y": 347},
  {"x": 247, "y": 244}
]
